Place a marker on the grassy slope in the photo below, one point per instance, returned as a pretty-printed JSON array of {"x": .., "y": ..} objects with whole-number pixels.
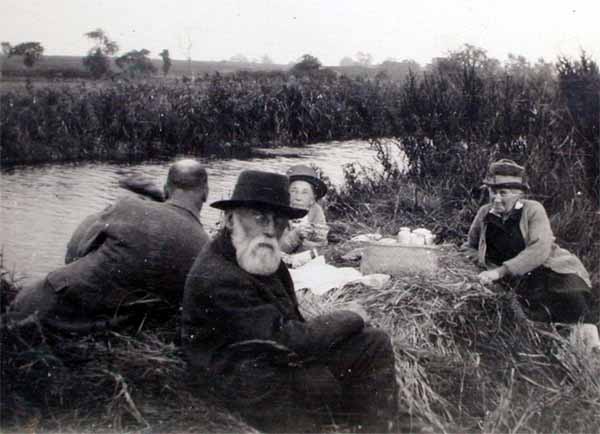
[{"x": 466, "y": 362}]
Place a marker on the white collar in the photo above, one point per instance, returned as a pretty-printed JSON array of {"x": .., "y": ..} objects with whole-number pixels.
[{"x": 518, "y": 205}]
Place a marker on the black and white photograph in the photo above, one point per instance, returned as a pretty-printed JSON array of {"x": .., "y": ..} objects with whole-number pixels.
[{"x": 317, "y": 216}]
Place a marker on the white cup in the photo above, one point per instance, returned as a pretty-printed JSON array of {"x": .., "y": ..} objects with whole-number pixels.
[
  {"x": 417, "y": 239},
  {"x": 404, "y": 236}
]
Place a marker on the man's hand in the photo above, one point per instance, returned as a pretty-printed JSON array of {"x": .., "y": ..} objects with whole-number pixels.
[{"x": 356, "y": 307}]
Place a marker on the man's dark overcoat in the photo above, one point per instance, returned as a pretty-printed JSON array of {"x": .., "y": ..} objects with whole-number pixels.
[
  {"x": 134, "y": 249},
  {"x": 247, "y": 342}
]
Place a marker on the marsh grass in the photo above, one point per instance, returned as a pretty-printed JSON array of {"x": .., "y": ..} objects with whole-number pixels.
[
  {"x": 466, "y": 362},
  {"x": 213, "y": 114}
]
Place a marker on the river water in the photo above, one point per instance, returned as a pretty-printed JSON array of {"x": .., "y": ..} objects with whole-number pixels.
[{"x": 41, "y": 206}]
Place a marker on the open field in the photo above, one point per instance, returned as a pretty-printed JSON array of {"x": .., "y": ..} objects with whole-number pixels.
[
  {"x": 72, "y": 67},
  {"x": 65, "y": 67}
]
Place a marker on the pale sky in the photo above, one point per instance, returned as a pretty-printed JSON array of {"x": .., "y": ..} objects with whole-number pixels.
[{"x": 328, "y": 29}]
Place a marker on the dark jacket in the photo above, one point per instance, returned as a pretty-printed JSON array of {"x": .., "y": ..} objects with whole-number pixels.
[
  {"x": 134, "y": 249},
  {"x": 224, "y": 307}
]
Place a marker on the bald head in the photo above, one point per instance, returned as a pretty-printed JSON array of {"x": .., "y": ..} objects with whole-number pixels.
[
  {"x": 187, "y": 184},
  {"x": 186, "y": 174}
]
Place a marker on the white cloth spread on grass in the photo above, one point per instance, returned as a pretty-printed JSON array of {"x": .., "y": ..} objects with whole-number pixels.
[{"x": 320, "y": 277}]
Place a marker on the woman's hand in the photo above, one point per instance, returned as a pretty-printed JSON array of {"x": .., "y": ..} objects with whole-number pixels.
[
  {"x": 470, "y": 253},
  {"x": 490, "y": 276},
  {"x": 304, "y": 230}
]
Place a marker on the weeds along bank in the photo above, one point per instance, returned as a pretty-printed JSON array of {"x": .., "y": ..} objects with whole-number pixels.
[
  {"x": 454, "y": 120},
  {"x": 213, "y": 114},
  {"x": 451, "y": 121},
  {"x": 461, "y": 108},
  {"x": 384, "y": 199}
]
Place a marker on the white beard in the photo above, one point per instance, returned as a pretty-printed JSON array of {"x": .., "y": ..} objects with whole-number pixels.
[{"x": 260, "y": 255}]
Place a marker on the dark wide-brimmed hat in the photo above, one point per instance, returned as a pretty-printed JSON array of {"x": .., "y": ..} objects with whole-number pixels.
[
  {"x": 263, "y": 190},
  {"x": 506, "y": 173},
  {"x": 308, "y": 174}
]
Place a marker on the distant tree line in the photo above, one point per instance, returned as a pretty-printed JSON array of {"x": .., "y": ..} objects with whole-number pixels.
[
  {"x": 97, "y": 62},
  {"x": 31, "y": 52},
  {"x": 102, "y": 61}
]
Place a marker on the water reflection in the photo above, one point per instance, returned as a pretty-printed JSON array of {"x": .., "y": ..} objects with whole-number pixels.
[{"x": 41, "y": 206}]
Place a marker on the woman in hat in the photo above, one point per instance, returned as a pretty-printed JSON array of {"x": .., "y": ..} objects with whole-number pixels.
[
  {"x": 511, "y": 237},
  {"x": 310, "y": 231}
]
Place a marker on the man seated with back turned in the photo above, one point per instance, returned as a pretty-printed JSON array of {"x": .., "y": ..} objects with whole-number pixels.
[
  {"x": 125, "y": 262},
  {"x": 247, "y": 343}
]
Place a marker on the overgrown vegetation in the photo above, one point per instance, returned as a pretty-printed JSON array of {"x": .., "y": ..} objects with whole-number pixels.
[
  {"x": 458, "y": 118},
  {"x": 466, "y": 362},
  {"x": 97, "y": 62},
  {"x": 146, "y": 119}
]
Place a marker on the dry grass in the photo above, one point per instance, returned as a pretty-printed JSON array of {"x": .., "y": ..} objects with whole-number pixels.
[
  {"x": 465, "y": 363},
  {"x": 103, "y": 383}
]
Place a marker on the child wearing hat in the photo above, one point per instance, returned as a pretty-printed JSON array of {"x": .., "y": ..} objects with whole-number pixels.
[
  {"x": 511, "y": 237},
  {"x": 309, "y": 232}
]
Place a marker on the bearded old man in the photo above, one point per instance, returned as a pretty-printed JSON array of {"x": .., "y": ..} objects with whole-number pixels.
[
  {"x": 247, "y": 343},
  {"x": 127, "y": 261}
]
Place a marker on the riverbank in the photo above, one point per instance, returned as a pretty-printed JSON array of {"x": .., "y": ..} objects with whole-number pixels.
[
  {"x": 466, "y": 360},
  {"x": 34, "y": 236},
  {"x": 465, "y": 363},
  {"x": 449, "y": 121}
]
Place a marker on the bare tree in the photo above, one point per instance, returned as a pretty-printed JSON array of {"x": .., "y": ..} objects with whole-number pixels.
[
  {"x": 364, "y": 59},
  {"x": 97, "y": 60},
  {"x": 186, "y": 44},
  {"x": 266, "y": 60},
  {"x": 166, "y": 58}
]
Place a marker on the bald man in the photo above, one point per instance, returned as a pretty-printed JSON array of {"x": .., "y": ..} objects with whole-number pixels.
[{"x": 128, "y": 261}]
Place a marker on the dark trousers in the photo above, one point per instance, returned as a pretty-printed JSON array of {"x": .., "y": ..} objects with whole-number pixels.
[
  {"x": 353, "y": 384},
  {"x": 548, "y": 296},
  {"x": 57, "y": 311}
]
